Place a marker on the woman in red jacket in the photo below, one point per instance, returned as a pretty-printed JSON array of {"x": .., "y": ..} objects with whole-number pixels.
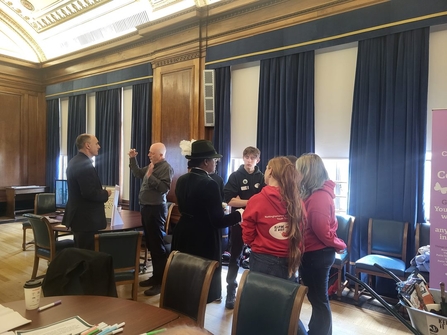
[
  {"x": 273, "y": 220},
  {"x": 320, "y": 239}
]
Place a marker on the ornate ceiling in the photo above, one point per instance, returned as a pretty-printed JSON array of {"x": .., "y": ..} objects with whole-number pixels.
[{"x": 39, "y": 30}]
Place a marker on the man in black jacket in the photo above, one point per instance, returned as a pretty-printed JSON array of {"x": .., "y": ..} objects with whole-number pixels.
[
  {"x": 85, "y": 213},
  {"x": 241, "y": 186}
]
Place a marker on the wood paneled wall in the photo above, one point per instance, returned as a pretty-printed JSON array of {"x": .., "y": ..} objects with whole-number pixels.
[{"x": 176, "y": 114}]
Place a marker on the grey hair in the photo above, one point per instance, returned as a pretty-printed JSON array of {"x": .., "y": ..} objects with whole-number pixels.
[{"x": 313, "y": 172}]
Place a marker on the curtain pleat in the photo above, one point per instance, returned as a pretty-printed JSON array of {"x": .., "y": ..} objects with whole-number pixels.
[
  {"x": 286, "y": 106},
  {"x": 108, "y": 124},
  {"x": 388, "y": 133},
  {"x": 141, "y": 134},
  {"x": 53, "y": 144},
  {"x": 222, "y": 123},
  {"x": 77, "y": 122}
]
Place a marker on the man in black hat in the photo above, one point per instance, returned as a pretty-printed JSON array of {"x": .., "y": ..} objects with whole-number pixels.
[{"x": 198, "y": 231}]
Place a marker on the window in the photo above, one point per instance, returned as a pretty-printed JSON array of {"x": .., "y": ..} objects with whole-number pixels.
[{"x": 338, "y": 170}]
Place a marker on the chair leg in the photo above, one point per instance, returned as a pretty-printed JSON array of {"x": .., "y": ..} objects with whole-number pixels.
[
  {"x": 134, "y": 291},
  {"x": 340, "y": 284},
  {"x": 24, "y": 240},
  {"x": 35, "y": 267},
  {"x": 356, "y": 293}
]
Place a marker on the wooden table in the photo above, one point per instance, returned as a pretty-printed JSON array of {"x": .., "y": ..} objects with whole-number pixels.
[
  {"x": 139, "y": 317},
  {"x": 128, "y": 220},
  {"x": 21, "y": 193}
]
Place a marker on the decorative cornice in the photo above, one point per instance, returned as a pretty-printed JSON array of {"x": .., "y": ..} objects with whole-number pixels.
[
  {"x": 58, "y": 15},
  {"x": 260, "y": 6},
  {"x": 175, "y": 59},
  {"x": 24, "y": 34}
]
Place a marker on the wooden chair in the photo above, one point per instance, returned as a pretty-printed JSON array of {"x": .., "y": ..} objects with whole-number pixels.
[
  {"x": 46, "y": 246},
  {"x": 267, "y": 305},
  {"x": 186, "y": 283},
  {"x": 124, "y": 247},
  {"x": 43, "y": 203},
  {"x": 344, "y": 231},
  {"x": 387, "y": 246}
]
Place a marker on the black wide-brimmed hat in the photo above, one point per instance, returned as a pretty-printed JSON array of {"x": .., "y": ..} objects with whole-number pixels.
[{"x": 202, "y": 149}]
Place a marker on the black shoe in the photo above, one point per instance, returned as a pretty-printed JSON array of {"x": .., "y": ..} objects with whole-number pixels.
[
  {"x": 229, "y": 302},
  {"x": 154, "y": 290},
  {"x": 148, "y": 282}
]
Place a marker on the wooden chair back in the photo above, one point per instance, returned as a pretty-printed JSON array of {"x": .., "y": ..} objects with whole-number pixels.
[
  {"x": 186, "y": 283},
  {"x": 267, "y": 305}
]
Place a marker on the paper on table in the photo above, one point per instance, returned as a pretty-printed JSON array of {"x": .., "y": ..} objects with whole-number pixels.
[
  {"x": 10, "y": 319},
  {"x": 73, "y": 325}
]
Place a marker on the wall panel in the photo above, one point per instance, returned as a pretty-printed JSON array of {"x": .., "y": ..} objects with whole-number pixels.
[
  {"x": 10, "y": 138},
  {"x": 176, "y": 114}
]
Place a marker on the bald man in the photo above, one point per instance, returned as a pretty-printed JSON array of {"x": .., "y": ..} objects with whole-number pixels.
[
  {"x": 157, "y": 178},
  {"x": 85, "y": 213}
]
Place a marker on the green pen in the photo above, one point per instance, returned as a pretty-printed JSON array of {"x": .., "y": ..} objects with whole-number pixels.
[{"x": 155, "y": 331}]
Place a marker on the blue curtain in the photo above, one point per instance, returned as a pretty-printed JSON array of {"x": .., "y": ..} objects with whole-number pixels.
[
  {"x": 141, "y": 134},
  {"x": 53, "y": 144},
  {"x": 77, "y": 122},
  {"x": 108, "y": 125},
  {"x": 222, "y": 119},
  {"x": 286, "y": 106},
  {"x": 388, "y": 133}
]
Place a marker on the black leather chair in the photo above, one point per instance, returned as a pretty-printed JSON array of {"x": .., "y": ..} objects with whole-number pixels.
[
  {"x": 267, "y": 305},
  {"x": 124, "y": 247},
  {"x": 43, "y": 203},
  {"x": 186, "y": 283},
  {"x": 387, "y": 246},
  {"x": 422, "y": 238},
  {"x": 344, "y": 231},
  {"x": 46, "y": 245}
]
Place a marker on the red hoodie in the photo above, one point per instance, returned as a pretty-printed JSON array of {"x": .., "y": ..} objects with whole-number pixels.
[
  {"x": 265, "y": 224},
  {"x": 320, "y": 231}
]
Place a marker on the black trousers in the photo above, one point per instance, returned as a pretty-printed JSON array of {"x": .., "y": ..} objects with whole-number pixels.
[
  {"x": 236, "y": 248},
  {"x": 85, "y": 239},
  {"x": 153, "y": 218}
]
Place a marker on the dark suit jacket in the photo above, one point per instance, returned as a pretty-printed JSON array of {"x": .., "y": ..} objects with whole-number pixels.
[{"x": 86, "y": 197}]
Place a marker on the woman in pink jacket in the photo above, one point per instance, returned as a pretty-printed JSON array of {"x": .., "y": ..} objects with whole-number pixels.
[{"x": 320, "y": 239}]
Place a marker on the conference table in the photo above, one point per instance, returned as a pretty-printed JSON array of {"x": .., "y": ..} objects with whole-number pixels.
[
  {"x": 124, "y": 220},
  {"x": 139, "y": 317}
]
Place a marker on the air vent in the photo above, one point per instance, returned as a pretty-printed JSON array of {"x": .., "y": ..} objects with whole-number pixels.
[{"x": 208, "y": 92}]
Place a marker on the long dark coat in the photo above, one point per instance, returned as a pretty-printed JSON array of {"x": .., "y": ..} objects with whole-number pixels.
[{"x": 198, "y": 231}]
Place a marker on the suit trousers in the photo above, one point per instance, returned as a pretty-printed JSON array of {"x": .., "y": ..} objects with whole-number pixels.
[
  {"x": 153, "y": 218},
  {"x": 85, "y": 239}
]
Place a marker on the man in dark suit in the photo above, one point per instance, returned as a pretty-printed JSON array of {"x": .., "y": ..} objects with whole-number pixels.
[{"x": 85, "y": 213}]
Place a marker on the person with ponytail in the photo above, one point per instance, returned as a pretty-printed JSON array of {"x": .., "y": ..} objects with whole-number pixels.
[{"x": 273, "y": 222}]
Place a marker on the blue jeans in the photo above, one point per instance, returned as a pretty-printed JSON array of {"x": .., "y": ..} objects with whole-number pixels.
[
  {"x": 270, "y": 265},
  {"x": 314, "y": 272},
  {"x": 274, "y": 266}
]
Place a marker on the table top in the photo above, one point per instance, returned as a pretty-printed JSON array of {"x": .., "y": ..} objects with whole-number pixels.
[
  {"x": 139, "y": 317},
  {"x": 128, "y": 220}
]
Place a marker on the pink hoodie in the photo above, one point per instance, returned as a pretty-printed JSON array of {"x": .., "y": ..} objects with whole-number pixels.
[
  {"x": 320, "y": 231},
  {"x": 265, "y": 223}
]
